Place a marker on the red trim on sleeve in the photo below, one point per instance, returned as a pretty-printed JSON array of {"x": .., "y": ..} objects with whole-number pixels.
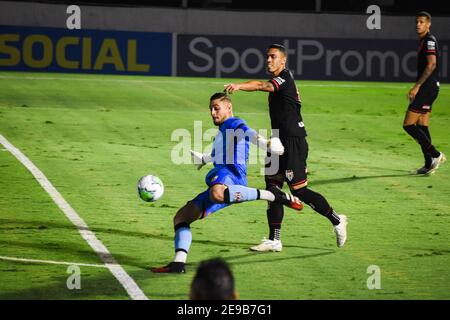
[{"x": 275, "y": 83}]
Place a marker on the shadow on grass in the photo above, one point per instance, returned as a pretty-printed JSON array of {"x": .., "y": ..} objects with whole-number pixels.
[
  {"x": 98, "y": 286},
  {"x": 80, "y": 250},
  {"x": 102, "y": 286},
  {"x": 191, "y": 267},
  {"x": 75, "y": 251},
  {"x": 121, "y": 232},
  {"x": 105, "y": 287},
  {"x": 355, "y": 178},
  {"x": 273, "y": 257}
]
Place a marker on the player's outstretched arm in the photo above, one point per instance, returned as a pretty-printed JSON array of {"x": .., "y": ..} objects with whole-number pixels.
[
  {"x": 273, "y": 145},
  {"x": 200, "y": 159},
  {"x": 249, "y": 86}
]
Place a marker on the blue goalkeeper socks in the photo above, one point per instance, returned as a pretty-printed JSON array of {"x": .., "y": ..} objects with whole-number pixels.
[
  {"x": 183, "y": 237},
  {"x": 238, "y": 193}
]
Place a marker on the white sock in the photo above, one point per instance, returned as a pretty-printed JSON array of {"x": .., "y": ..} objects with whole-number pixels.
[
  {"x": 180, "y": 256},
  {"x": 266, "y": 195}
]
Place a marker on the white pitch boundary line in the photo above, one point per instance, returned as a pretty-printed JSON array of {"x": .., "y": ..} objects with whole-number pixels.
[
  {"x": 338, "y": 85},
  {"x": 116, "y": 269},
  {"x": 52, "y": 262}
]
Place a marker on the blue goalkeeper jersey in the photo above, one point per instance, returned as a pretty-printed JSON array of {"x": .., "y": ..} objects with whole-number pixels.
[{"x": 231, "y": 146}]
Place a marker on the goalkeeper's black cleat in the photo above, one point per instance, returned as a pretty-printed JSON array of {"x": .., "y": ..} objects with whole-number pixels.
[
  {"x": 173, "y": 267},
  {"x": 286, "y": 199}
]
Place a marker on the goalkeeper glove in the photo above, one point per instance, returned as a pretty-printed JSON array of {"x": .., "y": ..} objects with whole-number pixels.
[
  {"x": 200, "y": 159},
  {"x": 272, "y": 145},
  {"x": 275, "y": 146}
]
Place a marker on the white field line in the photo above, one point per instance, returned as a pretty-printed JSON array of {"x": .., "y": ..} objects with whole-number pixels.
[
  {"x": 116, "y": 269},
  {"x": 52, "y": 262},
  {"x": 337, "y": 85}
]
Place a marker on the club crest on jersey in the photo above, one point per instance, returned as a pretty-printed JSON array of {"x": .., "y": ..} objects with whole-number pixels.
[
  {"x": 237, "y": 197},
  {"x": 289, "y": 175}
]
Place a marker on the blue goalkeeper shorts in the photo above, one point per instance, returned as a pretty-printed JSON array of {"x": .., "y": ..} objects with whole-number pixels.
[{"x": 217, "y": 175}]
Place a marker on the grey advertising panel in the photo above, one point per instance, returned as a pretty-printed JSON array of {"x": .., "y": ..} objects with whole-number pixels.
[{"x": 314, "y": 59}]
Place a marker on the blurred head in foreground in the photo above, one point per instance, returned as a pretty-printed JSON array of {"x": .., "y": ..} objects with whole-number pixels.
[{"x": 213, "y": 281}]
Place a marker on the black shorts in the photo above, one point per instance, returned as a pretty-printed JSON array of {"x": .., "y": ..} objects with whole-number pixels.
[
  {"x": 424, "y": 99},
  {"x": 292, "y": 164}
]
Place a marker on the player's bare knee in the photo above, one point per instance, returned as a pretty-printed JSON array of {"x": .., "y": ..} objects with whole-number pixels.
[
  {"x": 216, "y": 193},
  {"x": 411, "y": 118},
  {"x": 216, "y": 196},
  {"x": 408, "y": 123},
  {"x": 424, "y": 120}
]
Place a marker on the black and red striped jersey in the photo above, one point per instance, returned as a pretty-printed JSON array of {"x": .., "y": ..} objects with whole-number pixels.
[
  {"x": 428, "y": 46},
  {"x": 284, "y": 106}
]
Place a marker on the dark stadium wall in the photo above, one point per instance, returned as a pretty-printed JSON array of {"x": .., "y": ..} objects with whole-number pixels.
[
  {"x": 216, "y": 22},
  {"x": 34, "y": 37}
]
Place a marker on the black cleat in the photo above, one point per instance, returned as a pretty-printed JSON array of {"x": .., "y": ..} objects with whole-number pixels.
[
  {"x": 286, "y": 199},
  {"x": 423, "y": 170},
  {"x": 435, "y": 162},
  {"x": 173, "y": 267}
]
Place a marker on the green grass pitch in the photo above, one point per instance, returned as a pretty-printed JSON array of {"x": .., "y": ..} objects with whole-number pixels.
[{"x": 94, "y": 136}]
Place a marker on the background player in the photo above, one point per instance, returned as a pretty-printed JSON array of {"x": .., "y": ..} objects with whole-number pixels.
[
  {"x": 227, "y": 181},
  {"x": 423, "y": 94},
  {"x": 285, "y": 116}
]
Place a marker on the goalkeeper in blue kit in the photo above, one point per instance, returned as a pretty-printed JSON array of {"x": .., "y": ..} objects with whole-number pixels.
[{"x": 227, "y": 180}]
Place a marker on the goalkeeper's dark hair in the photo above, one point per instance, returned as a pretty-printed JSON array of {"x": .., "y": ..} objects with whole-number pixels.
[
  {"x": 220, "y": 96},
  {"x": 424, "y": 14},
  {"x": 213, "y": 281},
  {"x": 279, "y": 47}
]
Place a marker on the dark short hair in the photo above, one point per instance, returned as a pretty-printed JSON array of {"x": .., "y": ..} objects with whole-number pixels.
[
  {"x": 213, "y": 281},
  {"x": 424, "y": 14},
  {"x": 220, "y": 96},
  {"x": 278, "y": 46}
]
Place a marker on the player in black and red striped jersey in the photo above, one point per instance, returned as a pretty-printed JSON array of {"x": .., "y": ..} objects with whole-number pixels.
[
  {"x": 423, "y": 94},
  {"x": 286, "y": 119}
]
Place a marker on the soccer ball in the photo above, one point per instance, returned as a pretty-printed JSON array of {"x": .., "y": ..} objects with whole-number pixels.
[{"x": 150, "y": 188}]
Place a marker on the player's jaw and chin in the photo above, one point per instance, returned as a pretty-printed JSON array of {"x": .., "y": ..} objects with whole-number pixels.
[
  {"x": 219, "y": 119},
  {"x": 219, "y": 112},
  {"x": 274, "y": 68}
]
